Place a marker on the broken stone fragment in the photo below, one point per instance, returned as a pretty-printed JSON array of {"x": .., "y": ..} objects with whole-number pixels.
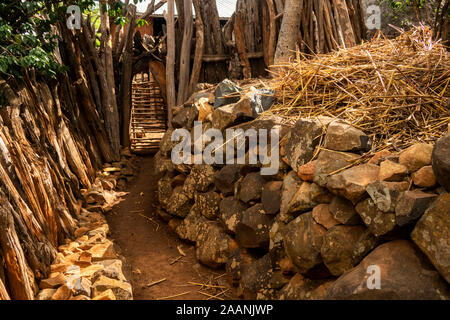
[
  {"x": 432, "y": 234},
  {"x": 166, "y": 144},
  {"x": 252, "y": 231},
  {"x": 302, "y": 140},
  {"x": 122, "y": 290},
  {"x": 105, "y": 295},
  {"x": 412, "y": 205},
  {"x": 301, "y": 288},
  {"x": 45, "y": 294},
  {"x": 303, "y": 240},
  {"x": 179, "y": 203},
  {"x": 226, "y": 177},
  {"x": 63, "y": 293},
  {"x": 329, "y": 162},
  {"x": 378, "y": 222},
  {"x": 255, "y": 277},
  {"x": 208, "y": 204},
  {"x": 164, "y": 191},
  {"x": 351, "y": 183},
  {"x": 424, "y": 177},
  {"x": 388, "y": 263},
  {"x": 276, "y": 245},
  {"x": 103, "y": 251},
  {"x": 53, "y": 282},
  {"x": 271, "y": 197},
  {"x": 200, "y": 179},
  {"x": 306, "y": 171},
  {"x": 231, "y": 213},
  {"x": 185, "y": 117},
  {"x": 343, "y": 137},
  {"x": 391, "y": 171},
  {"x": 344, "y": 246},
  {"x": 191, "y": 226},
  {"x": 441, "y": 161},
  {"x": 322, "y": 215},
  {"x": 379, "y": 156},
  {"x": 385, "y": 194},
  {"x": 227, "y": 92},
  {"x": 416, "y": 156},
  {"x": 343, "y": 211},
  {"x": 237, "y": 263},
  {"x": 214, "y": 246}
]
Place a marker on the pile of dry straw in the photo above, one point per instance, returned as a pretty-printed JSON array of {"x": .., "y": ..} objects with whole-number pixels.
[{"x": 396, "y": 91}]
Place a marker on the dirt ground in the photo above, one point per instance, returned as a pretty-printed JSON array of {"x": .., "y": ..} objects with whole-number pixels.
[{"x": 151, "y": 249}]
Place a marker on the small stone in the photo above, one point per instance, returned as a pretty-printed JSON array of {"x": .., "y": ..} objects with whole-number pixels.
[
  {"x": 343, "y": 137},
  {"x": 376, "y": 159},
  {"x": 179, "y": 203},
  {"x": 306, "y": 171},
  {"x": 253, "y": 229},
  {"x": 238, "y": 261},
  {"x": 343, "y": 211},
  {"x": 391, "y": 171},
  {"x": 53, "y": 282},
  {"x": 227, "y": 92},
  {"x": 255, "y": 277},
  {"x": 424, "y": 177},
  {"x": 231, "y": 213},
  {"x": 351, "y": 183},
  {"x": 105, "y": 295},
  {"x": 378, "y": 222},
  {"x": 82, "y": 286},
  {"x": 226, "y": 177},
  {"x": 322, "y": 215},
  {"x": 441, "y": 161},
  {"x": 103, "y": 251},
  {"x": 251, "y": 187},
  {"x": 45, "y": 294},
  {"x": 214, "y": 246},
  {"x": 416, "y": 156},
  {"x": 63, "y": 293},
  {"x": 271, "y": 197},
  {"x": 301, "y": 288},
  {"x": 385, "y": 194},
  {"x": 122, "y": 290},
  {"x": 412, "y": 205},
  {"x": 328, "y": 162},
  {"x": 208, "y": 204}
]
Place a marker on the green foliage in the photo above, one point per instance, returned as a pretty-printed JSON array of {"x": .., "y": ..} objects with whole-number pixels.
[{"x": 26, "y": 37}]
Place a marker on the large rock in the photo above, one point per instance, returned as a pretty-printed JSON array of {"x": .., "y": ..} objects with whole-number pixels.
[
  {"x": 237, "y": 263},
  {"x": 276, "y": 245},
  {"x": 200, "y": 179},
  {"x": 226, "y": 177},
  {"x": 226, "y": 116},
  {"x": 208, "y": 204},
  {"x": 441, "y": 161},
  {"x": 255, "y": 277},
  {"x": 179, "y": 203},
  {"x": 391, "y": 171},
  {"x": 253, "y": 229},
  {"x": 412, "y": 205},
  {"x": 432, "y": 234},
  {"x": 302, "y": 140},
  {"x": 378, "y": 222},
  {"x": 343, "y": 137},
  {"x": 191, "y": 226},
  {"x": 404, "y": 274},
  {"x": 301, "y": 288},
  {"x": 231, "y": 213},
  {"x": 351, "y": 183},
  {"x": 303, "y": 240},
  {"x": 271, "y": 196},
  {"x": 214, "y": 246},
  {"x": 250, "y": 187},
  {"x": 330, "y": 161},
  {"x": 254, "y": 102},
  {"x": 306, "y": 171},
  {"x": 416, "y": 156},
  {"x": 165, "y": 191},
  {"x": 343, "y": 211},
  {"x": 344, "y": 246},
  {"x": 227, "y": 92},
  {"x": 166, "y": 144},
  {"x": 385, "y": 194}
]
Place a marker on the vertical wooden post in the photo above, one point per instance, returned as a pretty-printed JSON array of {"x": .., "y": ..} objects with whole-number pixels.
[
  {"x": 170, "y": 60},
  {"x": 199, "y": 47},
  {"x": 185, "y": 56},
  {"x": 288, "y": 36}
]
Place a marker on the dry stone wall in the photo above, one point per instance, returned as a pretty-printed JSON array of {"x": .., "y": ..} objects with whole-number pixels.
[{"x": 332, "y": 223}]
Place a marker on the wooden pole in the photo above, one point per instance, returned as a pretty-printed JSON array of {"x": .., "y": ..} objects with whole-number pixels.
[
  {"x": 287, "y": 39},
  {"x": 185, "y": 56},
  {"x": 170, "y": 60},
  {"x": 199, "y": 47}
]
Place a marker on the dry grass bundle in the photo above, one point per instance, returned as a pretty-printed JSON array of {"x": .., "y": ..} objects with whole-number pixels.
[{"x": 396, "y": 91}]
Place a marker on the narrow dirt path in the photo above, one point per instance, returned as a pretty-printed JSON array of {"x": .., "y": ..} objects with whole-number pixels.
[{"x": 150, "y": 247}]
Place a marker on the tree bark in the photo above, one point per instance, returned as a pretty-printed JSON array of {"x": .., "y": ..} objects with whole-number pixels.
[
  {"x": 240, "y": 44},
  {"x": 272, "y": 32},
  {"x": 199, "y": 47},
  {"x": 288, "y": 36}
]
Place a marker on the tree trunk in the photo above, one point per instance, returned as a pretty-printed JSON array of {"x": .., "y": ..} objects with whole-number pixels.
[
  {"x": 240, "y": 44},
  {"x": 288, "y": 36}
]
